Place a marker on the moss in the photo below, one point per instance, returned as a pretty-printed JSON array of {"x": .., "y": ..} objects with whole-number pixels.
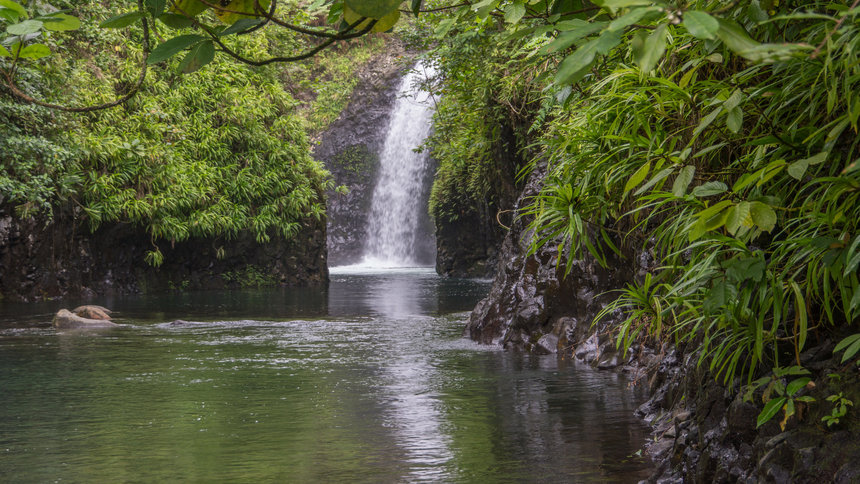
[{"x": 249, "y": 276}]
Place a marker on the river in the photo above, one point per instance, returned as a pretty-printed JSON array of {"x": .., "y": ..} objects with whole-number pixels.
[{"x": 369, "y": 381}]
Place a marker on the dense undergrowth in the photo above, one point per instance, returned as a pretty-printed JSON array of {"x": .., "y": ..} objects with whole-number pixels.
[
  {"x": 720, "y": 136},
  {"x": 219, "y": 152}
]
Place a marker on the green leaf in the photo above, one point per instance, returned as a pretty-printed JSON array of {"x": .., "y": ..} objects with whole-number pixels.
[
  {"x": 734, "y": 120},
  {"x": 240, "y": 26},
  {"x": 155, "y": 7},
  {"x": 797, "y": 169},
  {"x": 9, "y": 15},
  {"x": 607, "y": 41},
  {"x": 701, "y": 24},
  {"x": 35, "y": 51},
  {"x": 763, "y": 216},
  {"x": 416, "y": 7},
  {"x": 576, "y": 32},
  {"x": 736, "y": 217},
  {"x": 387, "y": 22},
  {"x": 576, "y": 65},
  {"x": 200, "y": 55},
  {"x": 373, "y": 8},
  {"x": 176, "y": 21},
  {"x": 817, "y": 159},
  {"x": 637, "y": 176},
  {"x": 770, "y": 409},
  {"x": 15, "y": 7},
  {"x": 514, "y": 12},
  {"x": 657, "y": 178},
  {"x": 4, "y": 52},
  {"x": 707, "y": 120},
  {"x": 735, "y": 37},
  {"x": 615, "y": 5},
  {"x": 631, "y": 18},
  {"x": 709, "y": 189},
  {"x": 25, "y": 27},
  {"x": 172, "y": 47},
  {"x": 191, "y": 8},
  {"x": 852, "y": 343},
  {"x": 796, "y": 385},
  {"x": 649, "y": 48},
  {"x": 682, "y": 181},
  {"x": 121, "y": 21},
  {"x": 60, "y": 22}
]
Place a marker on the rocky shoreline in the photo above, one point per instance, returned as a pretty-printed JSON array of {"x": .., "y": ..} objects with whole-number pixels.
[{"x": 702, "y": 430}]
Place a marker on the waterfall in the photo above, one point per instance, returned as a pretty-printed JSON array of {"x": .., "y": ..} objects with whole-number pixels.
[{"x": 397, "y": 229}]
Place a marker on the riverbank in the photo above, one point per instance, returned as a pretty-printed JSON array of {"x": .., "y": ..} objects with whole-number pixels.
[{"x": 702, "y": 429}]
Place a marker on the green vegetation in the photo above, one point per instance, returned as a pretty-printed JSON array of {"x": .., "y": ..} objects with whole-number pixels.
[
  {"x": 722, "y": 136},
  {"x": 222, "y": 153}
]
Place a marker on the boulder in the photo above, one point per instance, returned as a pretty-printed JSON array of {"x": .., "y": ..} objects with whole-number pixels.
[
  {"x": 65, "y": 319},
  {"x": 93, "y": 312}
]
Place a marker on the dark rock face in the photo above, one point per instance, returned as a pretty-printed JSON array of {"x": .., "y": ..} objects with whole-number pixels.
[
  {"x": 703, "y": 431},
  {"x": 350, "y": 149},
  {"x": 42, "y": 258},
  {"x": 531, "y": 296},
  {"x": 469, "y": 246}
]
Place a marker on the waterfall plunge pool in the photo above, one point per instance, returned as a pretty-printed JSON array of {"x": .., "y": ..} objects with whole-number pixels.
[{"x": 369, "y": 381}]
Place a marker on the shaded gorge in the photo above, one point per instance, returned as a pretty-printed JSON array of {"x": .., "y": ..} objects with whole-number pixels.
[{"x": 370, "y": 381}]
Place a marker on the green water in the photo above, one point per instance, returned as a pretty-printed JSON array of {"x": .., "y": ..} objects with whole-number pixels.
[{"x": 369, "y": 381}]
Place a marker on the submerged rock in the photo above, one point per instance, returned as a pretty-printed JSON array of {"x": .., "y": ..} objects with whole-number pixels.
[{"x": 65, "y": 319}]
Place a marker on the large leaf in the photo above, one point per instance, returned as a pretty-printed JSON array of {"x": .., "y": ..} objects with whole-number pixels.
[
  {"x": 577, "y": 30},
  {"x": 229, "y": 15},
  {"x": 240, "y": 26},
  {"x": 172, "y": 47},
  {"x": 709, "y": 189},
  {"x": 763, "y": 216},
  {"x": 10, "y": 15},
  {"x": 35, "y": 51},
  {"x": 514, "y": 12},
  {"x": 631, "y": 18},
  {"x": 191, "y": 8},
  {"x": 200, "y": 55},
  {"x": 155, "y": 7},
  {"x": 175, "y": 20},
  {"x": 649, "y": 48},
  {"x": 61, "y": 22},
  {"x": 15, "y": 7},
  {"x": 25, "y": 27},
  {"x": 615, "y": 5},
  {"x": 637, "y": 177},
  {"x": 682, "y": 181},
  {"x": 121, "y": 21},
  {"x": 576, "y": 65},
  {"x": 851, "y": 345},
  {"x": 701, "y": 24},
  {"x": 770, "y": 409},
  {"x": 735, "y": 37},
  {"x": 373, "y": 8}
]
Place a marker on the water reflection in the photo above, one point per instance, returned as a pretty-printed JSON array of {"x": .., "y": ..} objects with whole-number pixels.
[{"x": 369, "y": 384}]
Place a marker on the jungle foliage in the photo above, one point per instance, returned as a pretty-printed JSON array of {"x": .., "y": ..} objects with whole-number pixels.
[
  {"x": 721, "y": 136},
  {"x": 222, "y": 154}
]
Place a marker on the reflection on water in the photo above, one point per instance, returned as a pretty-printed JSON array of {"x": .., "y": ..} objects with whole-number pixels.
[{"x": 368, "y": 382}]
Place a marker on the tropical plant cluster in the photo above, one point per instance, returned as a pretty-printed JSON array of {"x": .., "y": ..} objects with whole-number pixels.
[
  {"x": 222, "y": 153},
  {"x": 719, "y": 135}
]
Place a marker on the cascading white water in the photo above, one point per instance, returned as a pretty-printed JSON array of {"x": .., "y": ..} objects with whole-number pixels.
[{"x": 398, "y": 207}]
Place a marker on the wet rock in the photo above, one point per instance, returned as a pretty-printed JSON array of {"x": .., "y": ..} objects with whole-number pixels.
[
  {"x": 93, "y": 312},
  {"x": 65, "y": 319},
  {"x": 548, "y": 343}
]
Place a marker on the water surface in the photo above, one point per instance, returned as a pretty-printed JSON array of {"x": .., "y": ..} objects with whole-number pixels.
[{"x": 370, "y": 381}]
